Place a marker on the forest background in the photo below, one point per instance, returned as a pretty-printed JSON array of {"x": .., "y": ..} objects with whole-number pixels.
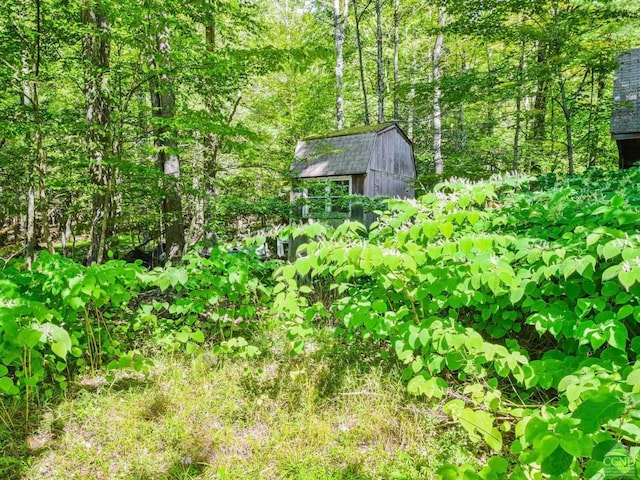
[{"x": 129, "y": 120}]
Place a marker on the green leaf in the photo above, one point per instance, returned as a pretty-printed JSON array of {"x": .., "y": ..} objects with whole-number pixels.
[
  {"x": 473, "y": 217},
  {"x": 634, "y": 377},
  {"x": 379, "y": 306},
  {"x": 446, "y": 229},
  {"x": 432, "y": 387},
  {"x": 479, "y": 196},
  {"x": 448, "y": 472},
  {"x": 303, "y": 265},
  {"x": 182, "y": 336},
  {"x": 76, "y": 303},
  {"x": 7, "y": 386},
  {"x": 624, "y": 312},
  {"x": 597, "y": 411},
  {"x": 60, "y": 349},
  {"x": 455, "y": 360},
  {"x": 494, "y": 439},
  {"x": 627, "y": 279},
  {"x": 466, "y": 244},
  {"x": 516, "y": 295},
  {"x": 498, "y": 464},
  {"x": 617, "y": 336},
  {"x": 163, "y": 282},
  {"x": 593, "y": 238},
  {"x": 29, "y": 337},
  {"x": 125, "y": 361},
  {"x": 611, "y": 272},
  {"x": 534, "y": 428},
  {"x": 546, "y": 445},
  {"x": 197, "y": 336},
  {"x": 61, "y": 343},
  {"x": 557, "y": 463},
  {"x": 572, "y": 445},
  {"x": 611, "y": 250},
  {"x": 434, "y": 251}
]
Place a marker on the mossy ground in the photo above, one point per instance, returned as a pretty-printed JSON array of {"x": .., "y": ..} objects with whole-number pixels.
[{"x": 328, "y": 415}]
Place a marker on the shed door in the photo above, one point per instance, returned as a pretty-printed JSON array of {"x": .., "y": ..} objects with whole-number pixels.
[{"x": 629, "y": 151}]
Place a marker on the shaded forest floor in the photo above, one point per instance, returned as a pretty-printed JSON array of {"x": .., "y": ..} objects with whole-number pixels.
[{"x": 334, "y": 414}]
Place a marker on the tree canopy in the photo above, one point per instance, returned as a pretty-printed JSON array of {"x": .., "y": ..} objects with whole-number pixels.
[{"x": 128, "y": 120}]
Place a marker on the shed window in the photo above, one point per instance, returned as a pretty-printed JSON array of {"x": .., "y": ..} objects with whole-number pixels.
[{"x": 327, "y": 197}]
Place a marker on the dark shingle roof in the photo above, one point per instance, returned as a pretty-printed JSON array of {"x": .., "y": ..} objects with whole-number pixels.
[
  {"x": 626, "y": 95},
  {"x": 346, "y": 152}
]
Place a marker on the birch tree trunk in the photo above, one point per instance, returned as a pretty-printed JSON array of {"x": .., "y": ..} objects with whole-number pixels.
[
  {"x": 412, "y": 97},
  {"x": 367, "y": 119},
  {"x": 379, "y": 61},
  {"x": 30, "y": 229},
  {"x": 396, "y": 59},
  {"x": 437, "y": 94},
  {"x": 41, "y": 167},
  {"x": 96, "y": 47},
  {"x": 340, "y": 12}
]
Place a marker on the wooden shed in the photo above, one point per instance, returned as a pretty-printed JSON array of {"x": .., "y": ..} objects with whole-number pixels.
[
  {"x": 372, "y": 161},
  {"x": 625, "y": 121}
]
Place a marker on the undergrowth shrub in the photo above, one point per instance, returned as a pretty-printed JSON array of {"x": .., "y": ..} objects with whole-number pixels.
[
  {"x": 62, "y": 317},
  {"x": 513, "y": 301}
]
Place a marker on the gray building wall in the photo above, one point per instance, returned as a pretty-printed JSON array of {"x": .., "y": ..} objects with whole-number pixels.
[
  {"x": 626, "y": 96},
  {"x": 391, "y": 168}
]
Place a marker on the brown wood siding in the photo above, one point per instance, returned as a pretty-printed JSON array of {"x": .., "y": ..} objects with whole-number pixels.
[
  {"x": 389, "y": 185},
  {"x": 357, "y": 184},
  {"x": 392, "y": 168},
  {"x": 392, "y": 154}
]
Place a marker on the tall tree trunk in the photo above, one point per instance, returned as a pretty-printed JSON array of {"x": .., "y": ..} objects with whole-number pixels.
[
  {"x": 96, "y": 47},
  {"x": 567, "y": 104},
  {"x": 379, "y": 61},
  {"x": 516, "y": 135},
  {"x": 461, "y": 134},
  {"x": 566, "y": 110},
  {"x": 30, "y": 227},
  {"x": 437, "y": 94},
  {"x": 210, "y": 34},
  {"x": 396, "y": 59},
  {"x": 209, "y": 155},
  {"x": 356, "y": 15},
  {"x": 41, "y": 168},
  {"x": 541, "y": 95},
  {"x": 167, "y": 160},
  {"x": 37, "y": 194},
  {"x": 412, "y": 96},
  {"x": 597, "y": 92},
  {"x": 491, "y": 119},
  {"x": 339, "y": 23}
]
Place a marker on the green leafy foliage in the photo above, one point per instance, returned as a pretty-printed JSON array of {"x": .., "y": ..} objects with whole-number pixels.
[
  {"x": 518, "y": 297},
  {"x": 61, "y": 317}
]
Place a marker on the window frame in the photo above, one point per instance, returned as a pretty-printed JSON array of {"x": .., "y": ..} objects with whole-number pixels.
[{"x": 327, "y": 190}]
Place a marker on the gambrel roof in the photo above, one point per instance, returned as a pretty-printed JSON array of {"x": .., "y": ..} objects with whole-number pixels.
[
  {"x": 626, "y": 95},
  {"x": 345, "y": 152}
]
